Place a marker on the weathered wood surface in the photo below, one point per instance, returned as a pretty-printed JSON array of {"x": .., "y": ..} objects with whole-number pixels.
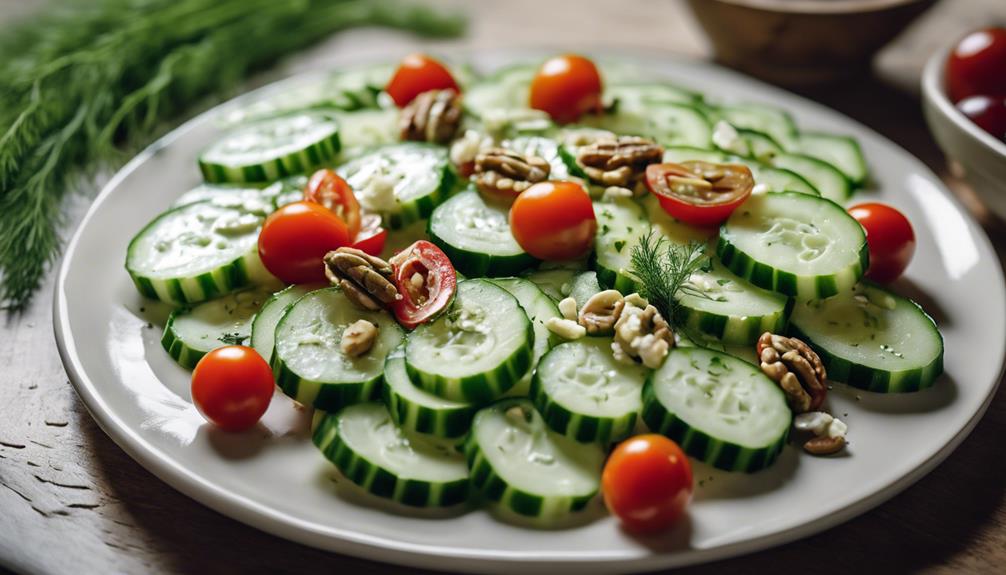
[{"x": 72, "y": 502}]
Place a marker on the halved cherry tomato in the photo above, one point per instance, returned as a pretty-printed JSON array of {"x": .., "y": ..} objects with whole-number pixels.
[
  {"x": 977, "y": 65},
  {"x": 647, "y": 483},
  {"x": 296, "y": 237},
  {"x": 418, "y": 73},
  {"x": 554, "y": 221},
  {"x": 329, "y": 189},
  {"x": 699, "y": 193},
  {"x": 232, "y": 387},
  {"x": 372, "y": 236},
  {"x": 890, "y": 237},
  {"x": 426, "y": 280},
  {"x": 566, "y": 87}
]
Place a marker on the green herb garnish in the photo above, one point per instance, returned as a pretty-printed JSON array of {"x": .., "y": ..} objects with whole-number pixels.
[
  {"x": 232, "y": 338},
  {"x": 663, "y": 269}
]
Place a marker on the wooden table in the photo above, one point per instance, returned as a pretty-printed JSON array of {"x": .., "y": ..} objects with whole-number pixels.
[{"x": 72, "y": 501}]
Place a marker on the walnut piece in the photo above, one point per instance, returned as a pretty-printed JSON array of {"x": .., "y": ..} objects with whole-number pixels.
[
  {"x": 358, "y": 338},
  {"x": 824, "y": 445},
  {"x": 641, "y": 333},
  {"x": 601, "y": 312},
  {"x": 829, "y": 432},
  {"x": 364, "y": 279},
  {"x": 433, "y": 116},
  {"x": 797, "y": 369},
  {"x": 501, "y": 170},
  {"x": 620, "y": 161}
]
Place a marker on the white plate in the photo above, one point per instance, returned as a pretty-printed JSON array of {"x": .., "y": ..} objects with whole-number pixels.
[{"x": 274, "y": 479}]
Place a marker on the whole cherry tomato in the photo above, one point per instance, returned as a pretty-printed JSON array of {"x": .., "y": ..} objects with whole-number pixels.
[
  {"x": 426, "y": 280},
  {"x": 699, "y": 193},
  {"x": 566, "y": 87},
  {"x": 647, "y": 483},
  {"x": 988, "y": 113},
  {"x": 232, "y": 387},
  {"x": 329, "y": 189},
  {"x": 890, "y": 238},
  {"x": 296, "y": 237},
  {"x": 554, "y": 221},
  {"x": 418, "y": 73},
  {"x": 977, "y": 65},
  {"x": 372, "y": 236}
]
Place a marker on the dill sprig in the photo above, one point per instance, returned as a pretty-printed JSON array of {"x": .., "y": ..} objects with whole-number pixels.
[
  {"x": 664, "y": 268},
  {"x": 88, "y": 81}
]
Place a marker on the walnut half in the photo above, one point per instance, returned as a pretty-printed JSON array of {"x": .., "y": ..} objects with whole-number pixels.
[
  {"x": 601, "y": 312},
  {"x": 797, "y": 369},
  {"x": 500, "y": 170},
  {"x": 641, "y": 333}
]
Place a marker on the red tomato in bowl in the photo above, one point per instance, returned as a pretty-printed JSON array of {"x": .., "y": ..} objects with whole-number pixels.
[
  {"x": 647, "y": 483},
  {"x": 418, "y": 73},
  {"x": 232, "y": 387},
  {"x": 566, "y": 87},
  {"x": 554, "y": 221},
  {"x": 296, "y": 237},
  {"x": 986, "y": 112},
  {"x": 977, "y": 65},
  {"x": 890, "y": 238}
]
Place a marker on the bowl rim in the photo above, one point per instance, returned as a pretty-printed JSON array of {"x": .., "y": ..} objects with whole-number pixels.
[
  {"x": 832, "y": 7},
  {"x": 933, "y": 90}
]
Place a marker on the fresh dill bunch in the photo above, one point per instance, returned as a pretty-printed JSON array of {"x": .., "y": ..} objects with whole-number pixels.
[
  {"x": 664, "y": 268},
  {"x": 87, "y": 82}
]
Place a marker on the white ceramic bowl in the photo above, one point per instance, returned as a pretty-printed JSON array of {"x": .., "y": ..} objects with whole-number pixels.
[{"x": 981, "y": 155}]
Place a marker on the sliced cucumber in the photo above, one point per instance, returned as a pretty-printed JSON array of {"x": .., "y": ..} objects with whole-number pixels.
[
  {"x": 873, "y": 339},
  {"x": 794, "y": 244},
  {"x": 775, "y": 122},
  {"x": 669, "y": 125},
  {"x": 517, "y": 462},
  {"x": 506, "y": 89},
  {"x": 401, "y": 182},
  {"x": 197, "y": 252},
  {"x": 583, "y": 392},
  {"x": 308, "y": 363},
  {"x": 477, "y": 350},
  {"x": 555, "y": 283},
  {"x": 475, "y": 234},
  {"x": 720, "y": 305},
  {"x": 367, "y": 128},
  {"x": 678, "y": 154},
  {"x": 263, "y": 327},
  {"x": 720, "y": 409},
  {"x": 759, "y": 145},
  {"x": 230, "y": 195},
  {"x": 271, "y": 149},
  {"x": 620, "y": 224},
  {"x": 843, "y": 152},
  {"x": 539, "y": 309},
  {"x": 584, "y": 286},
  {"x": 830, "y": 182},
  {"x": 192, "y": 332},
  {"x": 776, "y": 179},
  {"x": 646, "y": 96},
  {"x": 368, "y": 448},
  {"x": 418, "y": 411},
  {"x": 676, "y": 231},
  {"x": 289, "y": 190}
]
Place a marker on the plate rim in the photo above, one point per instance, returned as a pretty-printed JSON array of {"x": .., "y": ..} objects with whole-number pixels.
[{"x": 389, "y": 550}]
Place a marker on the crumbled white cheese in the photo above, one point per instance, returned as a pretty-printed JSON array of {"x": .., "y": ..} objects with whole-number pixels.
[
  {"x": 725, "y": 137},
  {"x": 613, "y": 193},
  {"x": 567, "y": 308},
  {"x": 651, "y": 350},
  {"x": 761, "y": 189},
  {"x": 378, "y": 194},
  {"x": 816, "y": 422},
  {"x": 465, "y": 148},
  {"x": 838, "y": 428},
  {"x": 565, "y": 328}
]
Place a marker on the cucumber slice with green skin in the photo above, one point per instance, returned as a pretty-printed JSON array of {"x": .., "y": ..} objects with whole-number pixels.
[
  {"x": 719, "y": 409},
  {"x": 843, "y": 152},
  {"x": 555, "y": 283},
  {"x": 517, "y": 462},
  {"x": 831, "y": 183},
  {"x": 668, "y": 125},
  {"x": 539, "y": 309},
  {"x": 794, "y": 244},
  {"x": 192, "y": 332},
  {"x": 307, "y": 362},
  {"x": 646, "y": 96},
  {"x": 584, "y": 393},
  {"x": 368, "y": 448},
  {"x": 475, "y": 351},
  {"x": 272, "y": 149},
  {"x": 505, "y": 89},
  {"x": 229, "y": 195},
  {"x": 775, "y": 122},
  {"x": 722, "y": 306},
  {"x": 263, "y": 327},
  {"x": 475, "y": 235},
  {"x": 872, "y": 339},
  {"x": 584, "y": 286},
  {"x": 198, "y": 252},
  {"x": 420, "y": 175},
  {"x": 290, "y": 190},
  {"x": 759, "y": 145},
  {"x": 418, "y": 411},
  {"x": 776, "y": 179},
  {"x": 620, "y": 224},
  {"x": 367, "y": 128}
]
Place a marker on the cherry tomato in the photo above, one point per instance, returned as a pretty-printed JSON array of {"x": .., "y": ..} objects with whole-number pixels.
[
  {"x": 232, "y": 387},
  {"x": 647, "y": 483},
  {"x": 296, "y": 237},
  {"x": 418, "y": 73},
  {"x": 566, "y": 87},
  {"x": 988, "y": 113},
  {"x": 329, "y": 189},
  {"x": 554, "y": 221},
  {"x": 699, "y": 193},
  {"x": 372, "y": 236},
  {"x": 977, "y": 65},
  {"x": 890, "y": 238},
  {"x": 426, "y": 280}
]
